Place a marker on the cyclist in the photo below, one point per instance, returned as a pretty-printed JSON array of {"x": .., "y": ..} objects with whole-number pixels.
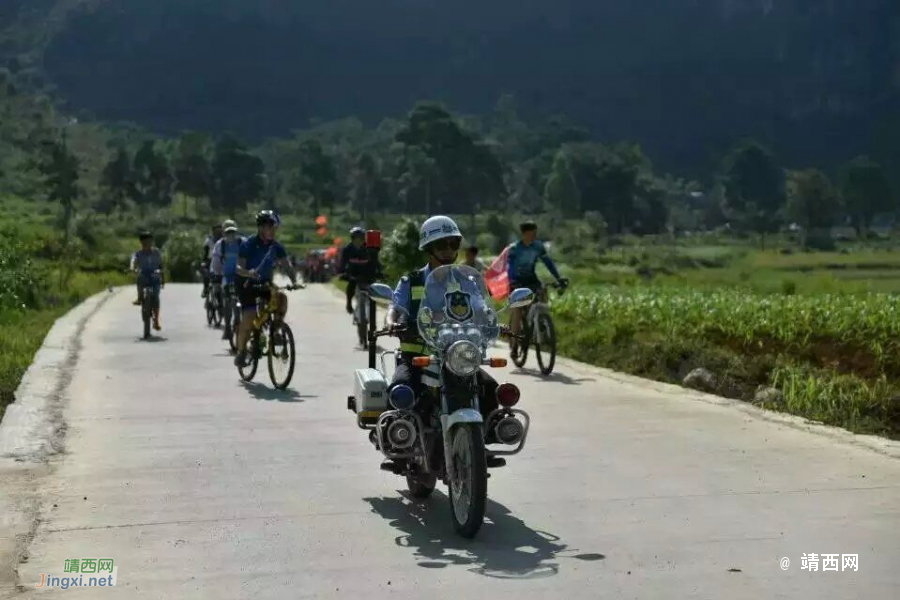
[
  {"x": 146, "y": 263},
  {"x": 215, "y": 234},
  {"x": 225, "y": 255},
  {"x": 521, "y": 263},
  {"x": 258, "y": 257},
  {"x": 357, "y": 266},
  {"x": 472, "y": 260},
  {"x": 440, "y": 239}
]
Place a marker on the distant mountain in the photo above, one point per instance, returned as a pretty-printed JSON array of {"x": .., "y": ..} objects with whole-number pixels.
[{"x": 819, "y": 80}]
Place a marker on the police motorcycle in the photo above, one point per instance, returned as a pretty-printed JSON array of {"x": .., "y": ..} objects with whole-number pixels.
[{"x": 441, "y": 434}]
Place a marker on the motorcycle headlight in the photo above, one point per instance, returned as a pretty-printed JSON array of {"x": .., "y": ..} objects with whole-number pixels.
[{"x": 463, "y": 358}]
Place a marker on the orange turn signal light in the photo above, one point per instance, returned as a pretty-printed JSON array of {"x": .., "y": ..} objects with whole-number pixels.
[
  {"x": 421, "y": 361},
  {"x": 497, "y": 362}
]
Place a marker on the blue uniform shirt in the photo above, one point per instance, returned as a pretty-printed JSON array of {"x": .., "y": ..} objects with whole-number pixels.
[
  {"x": 522, "y": 261},
  {"x": 403, "y": 293},
  {"x": 261, "y": 256}
]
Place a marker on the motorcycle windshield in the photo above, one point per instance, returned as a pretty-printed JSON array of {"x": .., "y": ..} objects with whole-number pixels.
[{"x": 457, "y": 306}]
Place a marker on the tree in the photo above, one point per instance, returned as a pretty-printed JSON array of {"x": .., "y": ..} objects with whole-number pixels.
[
  {"x": 466, "y": 172},
  {"x": 754, "y": 187},
  {"x": 812, "y": 203},
  {"x": 193, "y": 168},
  {"x": 562, "y": 192},
  {"x": 117, "y": 180},
  {"x": 866, "y": 192},
  {"x": 401, "y": 249},
  {"x": 153, "y": 179},
  {"x": 238, "y": 175},
  {"x": 315, "y": 176},
  {"x": 60, "y": 170}
]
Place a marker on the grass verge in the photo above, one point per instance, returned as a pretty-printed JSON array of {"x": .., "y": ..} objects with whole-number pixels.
[{"x": 22, "y": 332}]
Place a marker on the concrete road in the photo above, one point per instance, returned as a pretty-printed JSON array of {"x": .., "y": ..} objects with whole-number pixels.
[{"x": 199, "y": 486}]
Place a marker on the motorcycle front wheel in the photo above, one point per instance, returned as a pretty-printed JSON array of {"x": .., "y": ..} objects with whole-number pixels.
[{"x": 468, "y": 487}]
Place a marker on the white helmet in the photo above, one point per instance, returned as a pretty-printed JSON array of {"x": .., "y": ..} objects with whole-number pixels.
[{"x": 437, "y": 228}]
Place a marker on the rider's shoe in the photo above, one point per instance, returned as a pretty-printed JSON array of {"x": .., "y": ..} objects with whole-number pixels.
[
  {"x": 240, "y": 359},
  {"x": 137, "y": 302},
  {"x": 495, "y": 461},
  {"x": 156, "y": 324},
  {"x": 349, "y": 309}
]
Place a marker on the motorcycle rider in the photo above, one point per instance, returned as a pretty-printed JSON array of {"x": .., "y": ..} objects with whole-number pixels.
[
  {"x": 146, "y": 263},
  {"x": 440, "y": 238},
  {"x": 215, "y": 234},
  {"x": 257, "y": 259},
  {"x": 358, "y": 265},
  {"x": 521, "y": 263},
  {"x": 225, "y": 255}
]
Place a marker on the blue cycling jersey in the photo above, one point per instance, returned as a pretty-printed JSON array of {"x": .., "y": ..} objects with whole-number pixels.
[
  {"x": 522, "y": 261},
  {"x": 261, "y": 256}
]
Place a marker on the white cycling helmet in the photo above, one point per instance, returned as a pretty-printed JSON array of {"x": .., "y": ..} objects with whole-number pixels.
[{"x": 437, "y": 228}]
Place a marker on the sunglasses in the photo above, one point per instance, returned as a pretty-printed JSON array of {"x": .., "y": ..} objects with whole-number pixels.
[{"x": 446, "y": 244}]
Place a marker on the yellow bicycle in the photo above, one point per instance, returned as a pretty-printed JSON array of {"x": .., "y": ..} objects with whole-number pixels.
[{"x": 271, "y": 337}]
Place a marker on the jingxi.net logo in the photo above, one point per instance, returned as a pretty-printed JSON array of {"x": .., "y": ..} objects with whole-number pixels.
[{"x": 82, "y": 572}]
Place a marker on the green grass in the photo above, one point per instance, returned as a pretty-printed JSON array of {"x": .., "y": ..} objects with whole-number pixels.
[{"x": 843, "y": 348}]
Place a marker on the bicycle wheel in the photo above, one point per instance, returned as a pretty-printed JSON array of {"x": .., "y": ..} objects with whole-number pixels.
[
  {"x": 519, "y": 349},
  {"x": 210, "y": 312},
  {"x": 235, "y": 320},
  {"x": 248, "y": 369},
  {"x": 362, "y": 321},
  {"x": 281, "y": 354},
  {"x": 545, "y": 344},
  {"x": 146, "y": 313},
  {"x": 219, "y": 317}
]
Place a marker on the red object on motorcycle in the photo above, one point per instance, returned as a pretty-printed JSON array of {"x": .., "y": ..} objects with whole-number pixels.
[
  {"x": 507, "y": 394},
  {"x": 373, "y": 238}
]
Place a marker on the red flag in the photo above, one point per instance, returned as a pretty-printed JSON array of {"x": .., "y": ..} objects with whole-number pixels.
[{"x": 496, "y": 278}]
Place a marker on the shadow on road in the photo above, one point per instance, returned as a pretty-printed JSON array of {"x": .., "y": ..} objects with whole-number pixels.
[
  {"x": 151, "y": 339},
  {"x": 554, "y": 377},
  {"x": 263, "y": 392},
  {"x": 506, "y": 548}
]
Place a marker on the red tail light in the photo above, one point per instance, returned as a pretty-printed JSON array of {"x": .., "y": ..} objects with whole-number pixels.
[
  {"x": 373, "y": 238},
  {"x": 507, "y": 394}
]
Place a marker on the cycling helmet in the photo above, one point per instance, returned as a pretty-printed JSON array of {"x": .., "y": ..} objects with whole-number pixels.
[
  {"x": 228, "y": 223},
  {"x": 145, "y": 235},
  {"x": 437, "y": 228},
  {"x": 357, "y": 232},
  {"x": 267, "y": 216}
]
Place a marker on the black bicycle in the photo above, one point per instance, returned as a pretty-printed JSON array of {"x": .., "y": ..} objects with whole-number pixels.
[
  {"x": 232, "y": 311},
  {"x": 538, "y": 331}
]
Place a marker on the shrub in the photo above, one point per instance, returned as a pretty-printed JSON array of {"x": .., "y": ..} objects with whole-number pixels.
[
  {"x": 401, "y": 252},
  {"x": 21, "y": 284},
  {"x": 181, "y": 253}
]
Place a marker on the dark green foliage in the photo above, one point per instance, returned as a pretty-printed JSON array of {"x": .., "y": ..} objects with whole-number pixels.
[
  {"x": 401, "y": 252},
  {"x": 239, "y": 175},
  {"x": 867, "y": 191},
  {"x": 754, "y": 187},
  {"x": 153, "y": 179}
]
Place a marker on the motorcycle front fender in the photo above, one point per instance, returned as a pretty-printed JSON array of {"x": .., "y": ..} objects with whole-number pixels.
[{"x": 463, "y": 415}]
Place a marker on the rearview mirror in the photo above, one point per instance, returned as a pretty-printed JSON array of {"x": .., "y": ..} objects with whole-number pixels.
[
  {"x": 520, "y": 297},
  {"x": 381, "y": 291}
]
